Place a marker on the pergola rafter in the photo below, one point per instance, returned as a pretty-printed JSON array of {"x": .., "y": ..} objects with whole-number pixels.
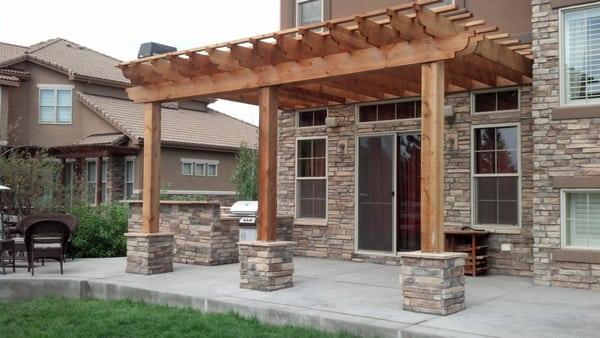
[
  {"x": 402, "y": 51},
  {"x": 316, "y": 53}
]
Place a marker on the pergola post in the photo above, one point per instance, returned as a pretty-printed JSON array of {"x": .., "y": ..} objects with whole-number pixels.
[
  {"x": 266, "y": 264},
  {"x": 433, "y": 281},
  {"x": 150, "y": 251}
]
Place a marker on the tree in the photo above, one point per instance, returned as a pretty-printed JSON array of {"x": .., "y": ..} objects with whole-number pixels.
[
  {"x": 34, "y": 181},
  {"x": 245, "y": 175}
]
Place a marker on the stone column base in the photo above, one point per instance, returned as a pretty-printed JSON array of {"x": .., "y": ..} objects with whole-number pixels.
[
  {"x": 433, "y": 282},
  {"x": 149, "y": 254},
  {"x": 266, "y": 266}
]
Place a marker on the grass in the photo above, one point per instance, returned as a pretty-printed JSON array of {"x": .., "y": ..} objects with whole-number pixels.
[{"x": 53, "y": 317}]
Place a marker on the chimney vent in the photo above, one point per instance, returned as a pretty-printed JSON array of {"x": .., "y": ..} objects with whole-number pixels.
[{"x": 153, "y": 48}]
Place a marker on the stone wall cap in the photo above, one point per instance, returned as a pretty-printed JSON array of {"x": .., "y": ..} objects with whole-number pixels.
[
  {"x": 178, "y": 202},
  {"x": 142, "y": 234},
  {"x": 433, "y": 255},
  {"x": 266, "y": 243},
  {"x": 230, "y": 218}
]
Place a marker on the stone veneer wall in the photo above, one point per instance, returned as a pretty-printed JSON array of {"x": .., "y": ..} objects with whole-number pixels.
[
  {"x": 115, "y": 178},
  {"x": 202, "y": 234},
  {"x": 335, "y": 238},
  {"x": 569, "y": 148}
]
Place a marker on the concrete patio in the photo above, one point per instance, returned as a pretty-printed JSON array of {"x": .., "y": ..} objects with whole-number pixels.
[{"x": 331, "y": 295}]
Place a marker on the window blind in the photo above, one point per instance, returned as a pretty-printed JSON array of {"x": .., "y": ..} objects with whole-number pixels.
[
  {"x": 583, "y": 220},
  {"x": 582, "y": 55}
]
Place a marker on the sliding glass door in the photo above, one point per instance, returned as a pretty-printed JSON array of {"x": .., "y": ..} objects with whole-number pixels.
[{"x": 389, "y": 193}]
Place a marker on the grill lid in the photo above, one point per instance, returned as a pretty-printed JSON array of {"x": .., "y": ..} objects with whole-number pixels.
[{"x": 244, "y": 208}]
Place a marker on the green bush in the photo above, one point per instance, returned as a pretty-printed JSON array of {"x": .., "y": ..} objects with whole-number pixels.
[
  {"x": 101, "y": 230},
  {"x": 245, "y": 175}
]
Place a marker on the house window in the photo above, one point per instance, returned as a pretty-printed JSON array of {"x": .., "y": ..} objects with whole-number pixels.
[
  {"x": 311, "y": 185},
  {"x": 200, "y": 169},
  {"x": 311, "y": 118},
  {"x": 91, "y": 181},
  {"x": 581, "y": 55},
  {"x": 581, "y": 219},
  {"x": 129, "y": 172},
  {"x": 496, "y": 100},
  {"x": 187, "y": 168},
  {"x": 55, "y": 104},
  {"x": 104, "y": 180},
  {"x": 309, "y": 11},
  {"x": 387, "y": 111},
  {"x": 69, "y": 183},
  {"x": 211, "y": 170},
  {"x": 496, "y": 175}
]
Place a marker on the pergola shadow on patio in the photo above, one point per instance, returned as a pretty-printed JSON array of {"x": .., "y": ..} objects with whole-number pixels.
[{"x": 402, "y": 51}]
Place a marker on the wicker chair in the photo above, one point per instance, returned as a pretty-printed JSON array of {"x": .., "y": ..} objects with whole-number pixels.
[{"x": 46, "y": 239}]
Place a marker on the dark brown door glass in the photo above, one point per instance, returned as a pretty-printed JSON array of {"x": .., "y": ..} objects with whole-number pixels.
[{"x": 408, "y": 199}]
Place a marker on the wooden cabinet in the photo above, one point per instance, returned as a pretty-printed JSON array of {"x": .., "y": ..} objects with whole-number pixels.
[{"x": 475, "y": 244}]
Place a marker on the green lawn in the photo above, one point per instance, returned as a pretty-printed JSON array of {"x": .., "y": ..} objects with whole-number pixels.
[{"x": 53, "y": 317}]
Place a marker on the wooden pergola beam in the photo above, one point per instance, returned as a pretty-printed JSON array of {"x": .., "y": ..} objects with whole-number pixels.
[
  {"x": 328, "y": 67},
  {"x": 374, "y": 33}
]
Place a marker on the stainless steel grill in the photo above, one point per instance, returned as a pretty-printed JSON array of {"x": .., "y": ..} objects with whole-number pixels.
[{"x": 247, "y": 210}]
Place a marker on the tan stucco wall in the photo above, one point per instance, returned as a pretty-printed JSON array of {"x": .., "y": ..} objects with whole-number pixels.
[
  {"x": 23, "y": 120},
  {"x": 513, "y": 16},
  {"x": 170, "y": 170}
]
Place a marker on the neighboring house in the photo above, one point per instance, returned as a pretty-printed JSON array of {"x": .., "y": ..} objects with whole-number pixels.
[
  {"x": 71, "y": 99},
  {"x": 521, "y": 162}
]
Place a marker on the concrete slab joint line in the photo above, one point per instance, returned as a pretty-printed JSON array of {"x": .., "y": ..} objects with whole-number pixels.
[
  {"x": 433, "y": 283},
  {"x": 266, "y": 266}
]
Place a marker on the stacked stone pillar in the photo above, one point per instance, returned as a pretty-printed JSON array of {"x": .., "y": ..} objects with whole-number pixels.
[
  {"x": 149, "y": 254},
  {"x": 266, "y": 266},
  {"x": 433, "y": 282}
]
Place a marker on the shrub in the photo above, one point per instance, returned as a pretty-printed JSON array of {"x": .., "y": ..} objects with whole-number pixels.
[
  {"x": 245, "y": 176},
  {"x": 101, "y": 230}
]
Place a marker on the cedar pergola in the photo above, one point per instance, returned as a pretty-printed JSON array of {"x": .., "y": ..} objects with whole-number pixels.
[{"x": 401, "y": 51}]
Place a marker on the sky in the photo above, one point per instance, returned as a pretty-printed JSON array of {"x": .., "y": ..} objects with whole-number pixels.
[{"x": 117, "y": 28}]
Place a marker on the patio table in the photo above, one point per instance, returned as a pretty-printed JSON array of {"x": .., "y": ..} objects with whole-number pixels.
[{"x": 7, "y": 250}]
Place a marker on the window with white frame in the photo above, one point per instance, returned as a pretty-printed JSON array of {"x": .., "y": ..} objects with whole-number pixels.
[
  {"x": 187, "y": 168},
  {"x": 580, "y": 55},
  {"x": 309, "y": 11},
  {"x": 311, "y": 178},
  {"x": 91, "y": 181},
  {"x": 55, "y": 104},
  {"x": 199, "y": 167},
  {"x": 104, "y": 185},
  {"x": 581, "y": 219},
  {"x": 129, "y": 178},
  {"x": 496, "y": 175},
  {"x": 495, "y": 100}
]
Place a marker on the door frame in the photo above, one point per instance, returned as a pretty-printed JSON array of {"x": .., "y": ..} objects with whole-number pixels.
[{"x": 394, "y": 252}]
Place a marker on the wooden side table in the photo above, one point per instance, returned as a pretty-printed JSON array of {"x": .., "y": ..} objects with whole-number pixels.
[
  {"x": 472, "y": 242},
  {"x": 7, "y": 250}
]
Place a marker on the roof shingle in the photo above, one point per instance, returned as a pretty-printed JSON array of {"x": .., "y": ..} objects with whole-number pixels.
[{"x": 210, "y": 129}]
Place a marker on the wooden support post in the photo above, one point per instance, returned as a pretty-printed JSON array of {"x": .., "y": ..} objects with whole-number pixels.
[
  {"x": 432, "y": 157},
  {"x": 98, "y": 180},
  {"x": 267, "y": 165},
  {"x": 151, "y": 177}
]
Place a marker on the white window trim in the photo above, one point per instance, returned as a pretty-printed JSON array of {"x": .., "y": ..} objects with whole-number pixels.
[
  {"x": 373, "y": 103},
  {"x": 203, "y": 171},
  {"x": 54, "y": 87},
  {"x": 206, "y": 169},
  {"x": 497, "y": 227},
  {"x": 132, "y": 160},
  {"x": 297, "y": 12},
  {"x": 310, "y": 109},
  {"x": 297, "y": 179},
  {"x": 496, "y": 90},
  {"x": 563, "y": 101},
  {"x": 194, "y": 161},
  {"x": 183, "y": 163},
  {"x": 563, "y": 218}
]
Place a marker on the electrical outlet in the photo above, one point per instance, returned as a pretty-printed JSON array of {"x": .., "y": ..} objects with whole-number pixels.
[{"x": 506, "y": 247}]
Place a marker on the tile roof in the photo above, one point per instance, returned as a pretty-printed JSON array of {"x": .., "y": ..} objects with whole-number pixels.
[
  {"x": 68, "y": 57},
  {"x": 210, "y": 129},
  {"x": 10, "y": 80},
  {"x": 103, "y": 139}
]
